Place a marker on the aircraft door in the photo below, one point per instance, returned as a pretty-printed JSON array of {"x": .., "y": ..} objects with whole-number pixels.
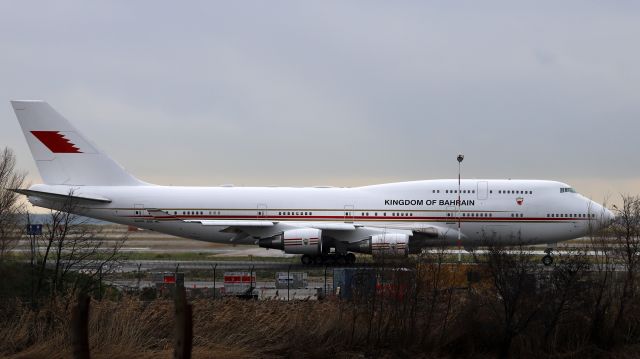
[
  {"x": 348, "y": 213},
  {"x": 452, "y": 214},
  {"x": 483, "y": 190},
  {"x": 139, "y": 212},
  {"x": 262, "y": 210}
]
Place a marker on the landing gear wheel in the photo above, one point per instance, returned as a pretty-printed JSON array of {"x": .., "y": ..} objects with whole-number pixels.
[
  {"x": 547, "y": 260},
  {"x": 306, "y": 259},
  {"x": 350, "y": 258}
]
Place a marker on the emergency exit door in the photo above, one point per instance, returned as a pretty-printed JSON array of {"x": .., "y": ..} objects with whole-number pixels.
[{"x": 483, "y": 190}]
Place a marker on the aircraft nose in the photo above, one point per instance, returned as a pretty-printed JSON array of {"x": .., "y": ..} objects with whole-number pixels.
[{"x": 610, "y": 216}]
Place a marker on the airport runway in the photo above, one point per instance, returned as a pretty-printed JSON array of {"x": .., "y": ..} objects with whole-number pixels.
[{"x": 217, "y": 254}]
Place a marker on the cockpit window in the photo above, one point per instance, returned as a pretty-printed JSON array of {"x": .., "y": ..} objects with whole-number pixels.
[{"x": 567, "y": 189}]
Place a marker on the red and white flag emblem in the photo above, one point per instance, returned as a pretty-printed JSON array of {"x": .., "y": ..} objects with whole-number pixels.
[
  {"x": 519, "y": 201},
  {"x": 63, "y": 142}
]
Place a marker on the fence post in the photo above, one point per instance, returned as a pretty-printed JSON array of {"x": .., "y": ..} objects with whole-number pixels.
[
  {"x": 139, "y": 275},
  {"x": 324, "y": 292},
  {"x": 288, "y": 280},
  {"x": 80, "y": 327},
  {"x": 183, "y": 339},
  {"x": 214, "y": 279}
]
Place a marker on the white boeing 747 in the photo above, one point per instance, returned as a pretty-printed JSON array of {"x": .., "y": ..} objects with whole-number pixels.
[{"x": 320, "y": 223}]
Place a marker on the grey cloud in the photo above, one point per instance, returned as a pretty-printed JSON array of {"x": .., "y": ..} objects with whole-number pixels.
[{"x": 340, "y": 92}]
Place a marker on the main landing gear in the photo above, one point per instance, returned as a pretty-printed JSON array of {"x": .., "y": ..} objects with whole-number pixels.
[
  {"x": 329, "y": 259},
  {"x": 547, "y": 260}
]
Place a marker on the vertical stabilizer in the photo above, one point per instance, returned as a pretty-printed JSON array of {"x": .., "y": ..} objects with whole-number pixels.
[{"x": 63, "y": 155}]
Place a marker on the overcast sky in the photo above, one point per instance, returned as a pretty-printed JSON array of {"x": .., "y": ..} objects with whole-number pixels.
[{"x": 336, "y": 93}]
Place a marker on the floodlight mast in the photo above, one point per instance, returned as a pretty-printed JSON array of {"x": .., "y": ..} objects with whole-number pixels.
[{"x": 460, "y": 158}]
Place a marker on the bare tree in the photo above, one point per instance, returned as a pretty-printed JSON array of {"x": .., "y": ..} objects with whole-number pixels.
[
  {"x": 626, "y": 250},
  {"x": 563, "y": 293},
  {"x": 600, "y": 296},
  {"x": 70, "y": 244},
  {"x": 10, "y": 206},
  {"x": 512, "y": 297}
]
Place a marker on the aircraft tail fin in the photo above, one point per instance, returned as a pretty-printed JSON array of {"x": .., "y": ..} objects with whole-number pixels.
[{"x": 63, "y": 155}]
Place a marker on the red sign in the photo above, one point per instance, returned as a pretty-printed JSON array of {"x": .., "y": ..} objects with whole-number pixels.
[{"x": 238, "y": 279}]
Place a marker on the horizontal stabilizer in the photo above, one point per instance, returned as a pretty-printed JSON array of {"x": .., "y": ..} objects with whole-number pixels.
[{"x": 63, "y": 197}]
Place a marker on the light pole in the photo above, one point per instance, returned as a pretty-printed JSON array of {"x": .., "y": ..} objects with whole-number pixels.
[{"x": 460, "y": 158}]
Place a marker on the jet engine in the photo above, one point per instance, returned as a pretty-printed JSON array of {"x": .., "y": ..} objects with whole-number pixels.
[
  {"x": 383, "y": 245},
  {"x": 296, "y": 241}
]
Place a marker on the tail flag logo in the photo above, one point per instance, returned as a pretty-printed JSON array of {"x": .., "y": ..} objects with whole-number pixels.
[{"x": 56, "y": 142}]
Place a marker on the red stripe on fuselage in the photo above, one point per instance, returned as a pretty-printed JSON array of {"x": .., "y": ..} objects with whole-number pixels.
[{"x": 370, "y": 218}]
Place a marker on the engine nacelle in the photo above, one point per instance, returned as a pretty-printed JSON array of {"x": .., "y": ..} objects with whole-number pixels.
[
  {"x": 383, "y": 245},
  {"x": 296, "y": 241}
]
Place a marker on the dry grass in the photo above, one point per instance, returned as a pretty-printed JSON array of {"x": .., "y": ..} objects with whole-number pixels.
[
  {"x": 135, "y": 329},
  {"x": 431, "y": 316}
]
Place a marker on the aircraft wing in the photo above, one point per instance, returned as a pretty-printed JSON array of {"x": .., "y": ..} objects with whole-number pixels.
[
  {"x": 164, "y": 215},
  {"x": 231, "y": 223},
  {"x": 344, "y": 232}
]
